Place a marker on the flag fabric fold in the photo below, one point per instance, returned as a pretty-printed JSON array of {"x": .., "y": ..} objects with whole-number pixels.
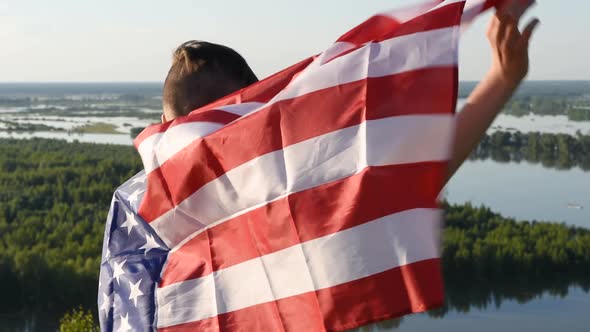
[{"x": 305, "y": 202}]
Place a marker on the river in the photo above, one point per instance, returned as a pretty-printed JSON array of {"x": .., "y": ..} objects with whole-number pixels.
[
  {"x": 524, "y": 191},
  {"x": 547, "y": 312}
]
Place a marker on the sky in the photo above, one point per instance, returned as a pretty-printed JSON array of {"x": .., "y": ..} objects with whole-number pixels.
[{"x": 132, "y": 40}]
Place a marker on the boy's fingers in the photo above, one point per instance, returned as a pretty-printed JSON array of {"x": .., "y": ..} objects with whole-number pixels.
[
  {"x": 529, "y": 28},
  {"x": 512, "y": 36},
  {"x": 516, "y": 8},
  {"x": 504, "y": 23}
]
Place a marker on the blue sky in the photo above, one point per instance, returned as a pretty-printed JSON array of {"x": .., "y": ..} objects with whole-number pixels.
[{"x": 132, "y": 40}]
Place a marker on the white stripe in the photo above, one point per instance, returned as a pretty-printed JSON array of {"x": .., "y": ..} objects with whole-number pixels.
[
  {"x": 241, "y": 109},
  {"x": 305, "y": 165},
  {"x": 476, "y": 5},
  {"x": 336, "y": 49},
  {"x": 383, "y": 244},
  {"x": 173, "y": 140},
  {"x": 472, "y": 9},
  {"x": 435, "y": 48}
]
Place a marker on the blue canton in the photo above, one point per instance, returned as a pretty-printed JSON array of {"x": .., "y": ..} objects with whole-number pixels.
[{"x": 132, "y": 259}]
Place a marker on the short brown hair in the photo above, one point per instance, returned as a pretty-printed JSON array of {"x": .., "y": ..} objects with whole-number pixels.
[{"x": 201, "y": 73}]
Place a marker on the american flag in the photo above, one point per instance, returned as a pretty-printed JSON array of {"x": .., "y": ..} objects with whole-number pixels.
[{"x": 306, "y": 202}]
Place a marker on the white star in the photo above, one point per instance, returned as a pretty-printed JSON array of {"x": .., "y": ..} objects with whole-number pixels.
[
  {"x": 135, "y": 292},
  {"x": 134, "y": 196},
  {"x": 118, "y": 271},
  {"x": 130, "y": 222},
  {"x": 124, "y": 327},
  {"x": 140, "y": 179},
  {"x": 106, "y": 303},
  {"x": 149, "y": 244}
]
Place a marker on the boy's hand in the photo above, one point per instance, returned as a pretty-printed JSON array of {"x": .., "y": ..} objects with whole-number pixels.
[{"x": 510, "y": 60}]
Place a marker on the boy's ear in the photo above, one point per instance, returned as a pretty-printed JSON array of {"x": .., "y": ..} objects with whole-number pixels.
[{"x": 163, "y": 118}]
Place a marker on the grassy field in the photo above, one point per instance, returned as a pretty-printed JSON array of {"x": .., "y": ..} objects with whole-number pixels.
[{"x": 97, "y": 128}]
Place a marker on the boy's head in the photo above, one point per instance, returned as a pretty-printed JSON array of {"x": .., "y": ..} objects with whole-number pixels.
[{"x": 201, "y": 73}]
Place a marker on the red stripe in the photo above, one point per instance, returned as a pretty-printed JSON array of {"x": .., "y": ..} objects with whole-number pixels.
[
  {"x": 415, "y": 287},
  {"x": 217, "y": 116},
  {"x": 444, "y": 17},
  {"x": 149, "y": 131},
  {"x": 261, "y": 91},
  {"x": 375, "y": 26},
  {"x": 493, "y": 3},
  {"x": 379, "y": 28},
  {"x": 296, "y": 313},
  {"x": 307, "y": 215},
  {"x": 308, "y": 116}
]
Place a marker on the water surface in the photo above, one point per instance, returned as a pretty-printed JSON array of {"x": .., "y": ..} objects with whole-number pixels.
[{"x": 524, "y": 191}]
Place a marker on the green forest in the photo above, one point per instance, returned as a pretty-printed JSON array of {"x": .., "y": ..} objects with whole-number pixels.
[
  {"x": 54, "y": 197},
  {"x": 576, "y": 109},
  {"x": 561, "y": 151}
]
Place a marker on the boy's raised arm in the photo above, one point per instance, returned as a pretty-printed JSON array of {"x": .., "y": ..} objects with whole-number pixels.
[{"x": 509, "y": 67}]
